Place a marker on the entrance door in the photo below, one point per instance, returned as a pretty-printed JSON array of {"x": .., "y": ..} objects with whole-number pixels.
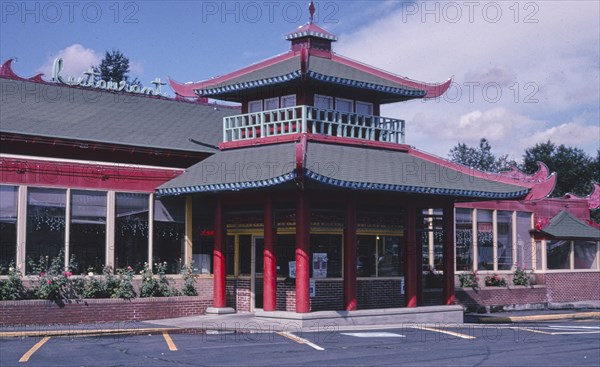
[{"x": 256, "y": 282}]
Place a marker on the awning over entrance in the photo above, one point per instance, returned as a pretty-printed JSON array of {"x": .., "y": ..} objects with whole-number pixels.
[
  {"x": 565, "y": 225},
  {"x": 343, "y": 166}
]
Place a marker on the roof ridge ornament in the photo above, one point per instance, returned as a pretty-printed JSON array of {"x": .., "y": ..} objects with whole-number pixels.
[{"x": 311, "y": 10}]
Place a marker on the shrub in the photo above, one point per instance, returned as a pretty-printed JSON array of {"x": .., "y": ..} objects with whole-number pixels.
[
  {"x": 521, "y": 276},
  {"x": 12, "y": 288},
  {"x": 469, "y": 279},
  {"x": 123, "y": 286},
  {"x": 495, "y": 281},
  {"x": 55, "y": 283},
  {"x": 189, "y": 289}
]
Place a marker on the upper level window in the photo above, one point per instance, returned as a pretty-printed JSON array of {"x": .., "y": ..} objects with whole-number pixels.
[
  {"x": 344, "y": 105},
  {"x": 323, "y": 102},
  {"x": 364, "y": 108},
  {"x": 288, "y": 101},
  {"x": 271, "y": 104},
  {"x": 255, "y": 106}
]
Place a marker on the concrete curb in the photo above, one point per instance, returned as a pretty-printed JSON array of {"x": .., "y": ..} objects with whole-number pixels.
[{"x": 533, "y": 318}]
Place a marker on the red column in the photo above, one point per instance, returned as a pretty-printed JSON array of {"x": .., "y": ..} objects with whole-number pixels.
[
  {"x": 410, "y": 277},
  {"x": 350, "y": 257},
  {"x": 219, "y": 258},
  {"x": 449, "y": 254},
  {"x": 302, "y": 253},
  {"x": 270, "y": 270}
]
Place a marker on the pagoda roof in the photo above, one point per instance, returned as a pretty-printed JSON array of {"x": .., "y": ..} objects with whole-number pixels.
[
  {"x": 341, "y": 166},
  {"x": 564, "y": 225},
  {"x": 313, "y": 66},
  {"x": 311, "y": 30}
]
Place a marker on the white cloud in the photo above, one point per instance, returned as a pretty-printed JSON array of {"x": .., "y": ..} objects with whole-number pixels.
[
  {"x": 77, "y": 59},
  {"x": 545, "y": 59}
]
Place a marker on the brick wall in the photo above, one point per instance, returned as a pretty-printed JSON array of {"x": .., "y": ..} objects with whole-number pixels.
[
  {"x": 329, "y": 295},
  {"x": 32, "y": 312},
  {"x": 379, "y": 293},
  {"x": 572, "y": 287},
  {"x": 500, "y": 296},
  {"x": 286, "y": 296}
]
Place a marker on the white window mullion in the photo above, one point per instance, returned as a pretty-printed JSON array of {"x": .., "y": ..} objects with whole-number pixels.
[
  {"x": 67, "y": 229},
  {"x": 21, "y": 227},
  {"x": 110, "y": 229},
  {"x": 515, "y": 260},
  {"x": 150, "y": 230},
  {"x": 495, "y": 238},
  {"x": 474, "y": 237}
]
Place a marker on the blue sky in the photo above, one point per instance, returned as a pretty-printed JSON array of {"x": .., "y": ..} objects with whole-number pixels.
[{"x": 523, "y": 72}]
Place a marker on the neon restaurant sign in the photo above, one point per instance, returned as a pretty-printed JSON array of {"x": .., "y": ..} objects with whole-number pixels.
[{"x": 89, "y": 80}]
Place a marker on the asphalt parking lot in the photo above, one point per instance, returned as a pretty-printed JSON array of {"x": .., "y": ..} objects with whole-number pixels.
[{"x": 568, "y": 343}]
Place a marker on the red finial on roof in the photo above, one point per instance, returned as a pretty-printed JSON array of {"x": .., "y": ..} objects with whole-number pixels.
[{"x": 311, "y": 10}]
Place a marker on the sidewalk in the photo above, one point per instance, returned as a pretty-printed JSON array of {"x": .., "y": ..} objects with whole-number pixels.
[
  {"x": 555, "y": 311},
  {"x": 248, "y": 323}
]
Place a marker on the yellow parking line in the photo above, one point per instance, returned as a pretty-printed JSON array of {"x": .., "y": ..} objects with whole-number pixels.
[
  {"x": 169, "y": 341},
  {"x": 298, "y": 339},
  {"x": 532, "y": 330},
  {"x": 33, "y": 349},
  {"x": 464, "y": 336}
]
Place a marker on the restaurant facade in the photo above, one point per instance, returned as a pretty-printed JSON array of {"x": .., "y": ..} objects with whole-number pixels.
[{"x": 300, "y": 198}]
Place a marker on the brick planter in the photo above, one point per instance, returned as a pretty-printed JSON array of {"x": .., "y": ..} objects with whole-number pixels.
[
  {"x": 31, "y": 312},
  {"x": 492, "y": 299}
]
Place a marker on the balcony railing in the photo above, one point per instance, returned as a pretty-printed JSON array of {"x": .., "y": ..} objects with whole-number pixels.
[{"x": 308, "y": 119}]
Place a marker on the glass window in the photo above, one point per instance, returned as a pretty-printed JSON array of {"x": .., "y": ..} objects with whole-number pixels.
[
  {"x": 326, "y": 256},
  {"x": 505, "y": 240},
  {"x": 169, "y": 233},
  {"x": 539, "y": 255},
  {"x": 367, "y": 256},
  {"x": 87, "y": 237},
  {"x": 203, "y": 236},
  {"x": 286, "y": 252},
  {"x": 344, "y": 105},
  {"x": 388, "y": 261},
  {"x": 323, "y": 102},
  {"x": 558, "y": 254},
  {"x": 271, "y": 104},
  {"x": 8, "y": 227},
  {"x": 485, "y": 240},
  {"x": 464, "y": 239},
  {"x": 131, "y": 230},
  {"x": 585, "y": 255},
  {"x": 524, "y": 247},
  {"x": 46, "y": 209},
  {"x": 364, "y": 108},
  {"x": 288, "y": 101},
  {"x": 255, "y": 106}
]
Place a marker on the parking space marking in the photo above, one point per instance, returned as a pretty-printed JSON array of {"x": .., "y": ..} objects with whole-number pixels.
[
  {"x": 375, "y": 335},
  {"x": 299, "y": 340},
  {"x": 453, "y": 333},
  {"x": 556, "y": 330},
  {"x": 33, "y": 349},
  {"x": 169, "y": 341}
]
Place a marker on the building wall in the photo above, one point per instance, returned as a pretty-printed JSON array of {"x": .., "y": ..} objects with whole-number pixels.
[
  {"x": 573, "y": 287},
  {"x": 41, "y": 312}
]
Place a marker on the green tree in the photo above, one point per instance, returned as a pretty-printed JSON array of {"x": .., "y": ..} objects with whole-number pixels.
[
  {"x": 480, "y": 157},
  {"x": 574, "y": 168},
  {"x": 114, "y": 67}
]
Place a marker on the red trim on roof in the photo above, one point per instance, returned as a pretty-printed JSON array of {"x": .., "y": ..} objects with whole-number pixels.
[
  {"x": 592, "y": 199},
  {"x": 316, "y": 138},
  {"x": 433, "y": 90},
  {"x": 187, "y": 89},
  {"x": 546, "y": 184},
  {"x": 310, "y": 27}
]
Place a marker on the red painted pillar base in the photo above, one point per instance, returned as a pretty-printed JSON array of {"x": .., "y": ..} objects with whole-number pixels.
[
  {"x": 270, "y": 261},
  {"x": 302, "y": 253},
  {"x": 449, "y": 254},
  {"x": 219, "y": 270},
  {"x": 350, "y": 303},
  {"x": 411, "y": 278}
]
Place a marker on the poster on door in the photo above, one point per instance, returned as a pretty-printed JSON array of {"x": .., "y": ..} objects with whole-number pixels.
[
  {"x": 292, "y": 267},
  {"x": 319, "y": 265}
]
